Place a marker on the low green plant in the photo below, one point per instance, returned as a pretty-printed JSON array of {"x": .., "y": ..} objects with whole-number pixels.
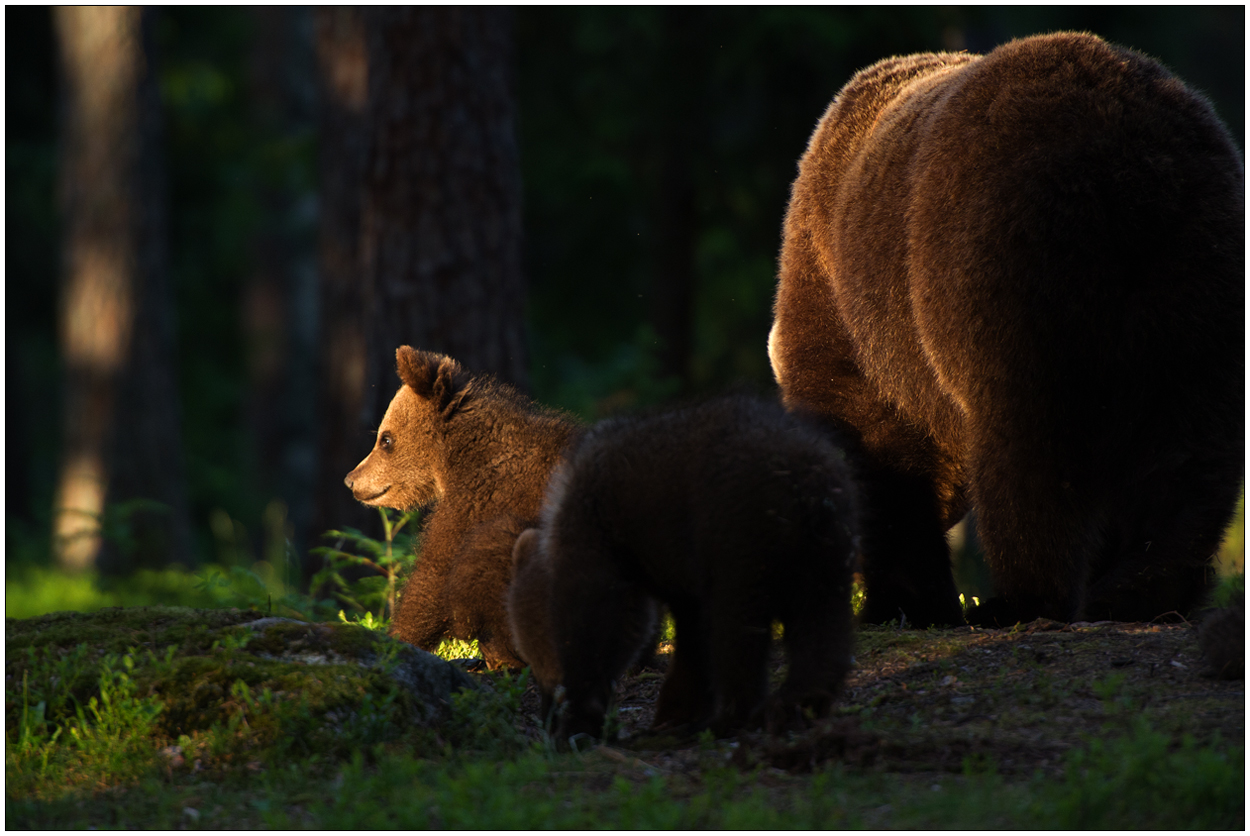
[
  {"x": 484, "y": 720},
  {"x": 1141, "y": 780},
  {"x": 243, "y": 587},
  {"x": 383, "y": 561},
  {"x": 118, "y": 714},
  {"x": 57, "y": 739}
]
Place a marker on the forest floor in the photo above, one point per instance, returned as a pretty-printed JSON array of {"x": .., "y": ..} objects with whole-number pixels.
[
  {"x": 932, "y": 701},
  {"x": 1041, "y": 725}
]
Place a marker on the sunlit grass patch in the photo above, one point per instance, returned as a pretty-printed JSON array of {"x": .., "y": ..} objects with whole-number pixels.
[
  {"x": 456, "y": 649},
  {"x": 36, "y": 591},
  {"x": 1231, "y": 558}
]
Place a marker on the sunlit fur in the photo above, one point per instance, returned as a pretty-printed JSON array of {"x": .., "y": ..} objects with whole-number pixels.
[
  {"x": 1015, "y": 283},
  {"x": 480, "y": 455}
]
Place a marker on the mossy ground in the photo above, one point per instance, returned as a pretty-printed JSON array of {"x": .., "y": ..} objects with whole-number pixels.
[
  {"x": 95, "y": 700},
  {"x": 214, "y": 724}
]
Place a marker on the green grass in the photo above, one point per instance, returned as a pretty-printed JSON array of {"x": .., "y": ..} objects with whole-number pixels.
[
  {"x": 1129, "y": 782},
  {"x": 35, "y": 591}
]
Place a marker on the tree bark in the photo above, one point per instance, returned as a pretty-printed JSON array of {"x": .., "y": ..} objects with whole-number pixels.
[
  {"x": 122, "y": 437},
  {"x": 346, "y": 422},
  {"x": 280, "y": 298},
  {"x": 441, "y": 215}
]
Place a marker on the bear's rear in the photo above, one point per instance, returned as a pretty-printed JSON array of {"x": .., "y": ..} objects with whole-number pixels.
[{"x": 1017, "y": 281}]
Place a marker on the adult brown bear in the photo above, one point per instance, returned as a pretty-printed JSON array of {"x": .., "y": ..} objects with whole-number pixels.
[{"x": 1017, "y": 282}]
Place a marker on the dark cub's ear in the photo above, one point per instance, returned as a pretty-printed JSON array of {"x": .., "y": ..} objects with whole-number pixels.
[
  {"x": 523, "y": 548},
  {"x": 433, "y": 376}
]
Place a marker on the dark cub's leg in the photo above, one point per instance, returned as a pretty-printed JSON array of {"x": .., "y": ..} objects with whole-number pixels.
[
  {"x": 739, "y": 631},
  {"x": 600, "y": 621},
  {"x": 818, "y": 639}
]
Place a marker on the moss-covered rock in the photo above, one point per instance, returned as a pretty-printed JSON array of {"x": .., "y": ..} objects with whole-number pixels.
[{"x": 230, "y": 681}]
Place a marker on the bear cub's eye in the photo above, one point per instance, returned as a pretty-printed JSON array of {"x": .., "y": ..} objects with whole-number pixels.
[{"x": 386, "y": 442}]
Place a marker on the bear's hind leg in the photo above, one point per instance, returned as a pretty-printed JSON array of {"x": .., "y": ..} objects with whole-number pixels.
[
  {"x": 906, "y": 567},
  {"x": 818, "y": 636},
  {"x": 1158, "y": 558},
  {"x": 739, "y": 634},
  {"x": 1040, "y": 530},
  {"x": 601, "y": 621}
]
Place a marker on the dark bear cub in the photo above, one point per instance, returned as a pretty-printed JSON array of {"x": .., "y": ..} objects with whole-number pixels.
[
  {"x": 733, "y": 513},
  {"x": 529, "y": 606},
  {"x": 481, "y": 454}
]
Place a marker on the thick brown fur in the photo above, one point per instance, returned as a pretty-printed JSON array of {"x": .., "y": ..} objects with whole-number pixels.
[
  {"x": 733, "y": 513},
  {"x": 1016, "y": 283},
  {"x": 481, "y": 454}
]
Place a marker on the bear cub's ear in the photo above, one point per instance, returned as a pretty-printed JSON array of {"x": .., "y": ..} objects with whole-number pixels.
[
  {"x": 523, "y": 548},
  {"x": 433, "y": 376}
]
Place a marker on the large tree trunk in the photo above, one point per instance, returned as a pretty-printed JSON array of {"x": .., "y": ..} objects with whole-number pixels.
[
  {"x": 441, "y": 215},
  {"x": 280, "y": 299},
  {"x": 122, "y": 438},
  {"x": 345, "y": 431}
]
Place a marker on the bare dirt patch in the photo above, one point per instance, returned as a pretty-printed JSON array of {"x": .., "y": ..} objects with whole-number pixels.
[{"x": 934, "y": 701}]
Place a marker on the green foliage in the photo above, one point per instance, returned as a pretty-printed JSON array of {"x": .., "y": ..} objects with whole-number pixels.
[
  {"x": 117, "y": 715},
  {"x": 457, "y": 649},
  {"x": 668, "y": 629},
  {"x": 58, "y": 737},
  {"x": 483, "y": 721},
  {"x": 858, "y": 597},
  {"x": 237, "y": 586},
  {"x": 1230, "y": 560},
  {"x": 1142, "y": 781},
  {"x": 32, "y": 590},
  {"x": 1228, "y": 589},
  {"x": 384, "y": 561}
]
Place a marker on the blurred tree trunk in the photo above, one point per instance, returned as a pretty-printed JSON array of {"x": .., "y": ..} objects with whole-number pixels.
[
  {"x": 280, "y": 298},
  {"x": 122, "y": 438},
  {"x": 346, "y": 425},
  {"x": 679, "y": 103},
  {"x": 441, "y": 213}
]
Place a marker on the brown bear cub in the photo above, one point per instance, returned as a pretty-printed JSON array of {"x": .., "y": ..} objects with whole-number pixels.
[
  {"x": 1016, "y": 283},
  {"x": 735, "y": 514},
  {"x": 481, "y": 454}
]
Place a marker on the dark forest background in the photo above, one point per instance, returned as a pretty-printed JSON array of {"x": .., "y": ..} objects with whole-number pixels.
[{"x": 629, "y": 172}]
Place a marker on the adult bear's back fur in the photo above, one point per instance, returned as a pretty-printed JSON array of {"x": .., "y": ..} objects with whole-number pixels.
[{"x": 1018, "y": 280}]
